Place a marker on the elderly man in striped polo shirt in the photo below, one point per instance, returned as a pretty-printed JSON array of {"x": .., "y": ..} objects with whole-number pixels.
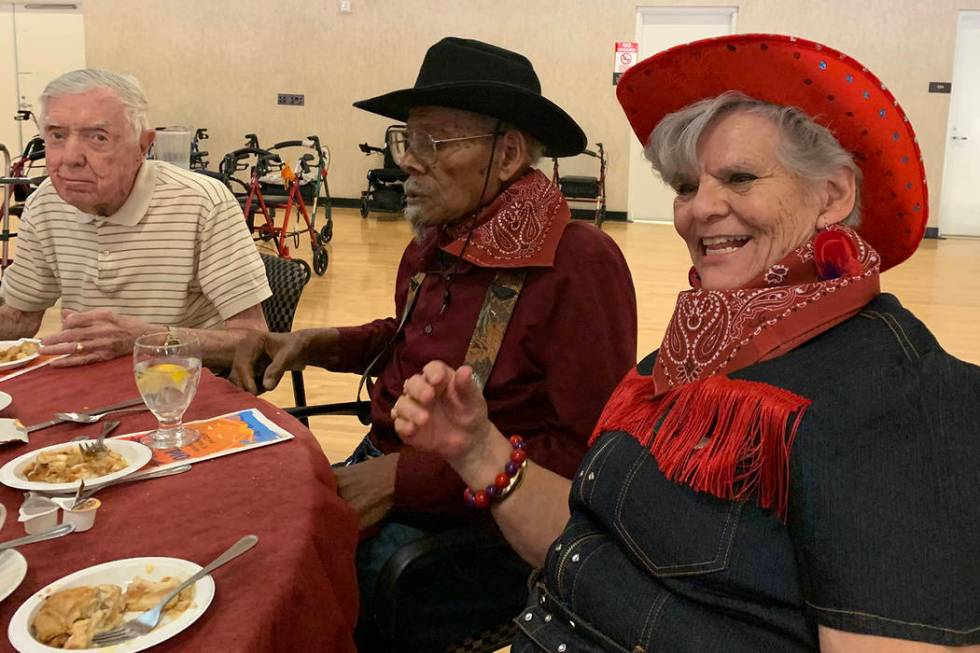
[{"x": 129, "y": 245}]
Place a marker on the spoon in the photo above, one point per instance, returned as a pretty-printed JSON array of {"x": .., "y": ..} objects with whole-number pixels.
[{"x": 85, "y": 418}]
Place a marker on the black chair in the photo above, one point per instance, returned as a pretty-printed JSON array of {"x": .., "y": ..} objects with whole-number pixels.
[
  {"x": 385, "y": 192},
  {"x": 424, "y": 596},
  {"x": 287, "y": 278}
]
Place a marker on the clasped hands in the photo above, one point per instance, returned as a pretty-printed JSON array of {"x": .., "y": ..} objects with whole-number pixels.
[{"x": 92, "y": 336}]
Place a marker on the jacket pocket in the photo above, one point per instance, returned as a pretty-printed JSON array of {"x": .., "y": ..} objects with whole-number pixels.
[{"x": 668, "y": 527}]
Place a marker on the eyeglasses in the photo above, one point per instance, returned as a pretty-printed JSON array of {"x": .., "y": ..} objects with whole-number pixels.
[{"x": 423, "y": 147}]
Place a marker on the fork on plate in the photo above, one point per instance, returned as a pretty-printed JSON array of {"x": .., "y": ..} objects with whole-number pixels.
[
  {"x": 97, "y": 447},
  {"x": 147, "y": 621}
]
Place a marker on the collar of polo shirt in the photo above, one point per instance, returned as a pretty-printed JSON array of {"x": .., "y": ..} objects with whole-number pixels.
[{"x": 136, "y": 205}]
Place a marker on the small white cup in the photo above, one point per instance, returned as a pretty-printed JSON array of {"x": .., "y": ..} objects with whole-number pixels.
[
  {"x": 38, "y": 514},
  {"x": 83, "y": 517},
  {"x": 40, "y": 522}
]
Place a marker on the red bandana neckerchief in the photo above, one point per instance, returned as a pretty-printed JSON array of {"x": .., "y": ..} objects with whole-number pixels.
[
  {"x": 732, "y": 438},
  {"x": 520, "y": 228}
]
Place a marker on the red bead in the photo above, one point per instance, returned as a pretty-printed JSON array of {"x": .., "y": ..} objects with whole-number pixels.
[
  {"x": 469, "y": 498},
  {"x": 481, "y": 500},
  {"x": 518, "y": 456},
  {"x": 502, "y": 480},
  {"x": 517, "y": 441}
]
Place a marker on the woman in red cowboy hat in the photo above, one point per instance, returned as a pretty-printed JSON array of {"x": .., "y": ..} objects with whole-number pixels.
[{"x": 795, "y": 468}]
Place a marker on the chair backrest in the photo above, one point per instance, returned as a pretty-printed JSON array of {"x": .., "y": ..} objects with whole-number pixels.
[
  {"x": 287, "y": 278},
  {"x": 389, "y": 160}
]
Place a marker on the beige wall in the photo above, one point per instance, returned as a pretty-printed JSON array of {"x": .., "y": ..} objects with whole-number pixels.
[{"x": 220, "y": 63}]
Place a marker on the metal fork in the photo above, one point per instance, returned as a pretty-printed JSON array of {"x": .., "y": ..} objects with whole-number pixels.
[
  {"x": 148, "y": 620},
  {"x": 97, "y": 446}
]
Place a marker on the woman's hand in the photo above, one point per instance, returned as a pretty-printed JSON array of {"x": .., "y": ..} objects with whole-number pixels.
[{"x": 443, "y": 411}]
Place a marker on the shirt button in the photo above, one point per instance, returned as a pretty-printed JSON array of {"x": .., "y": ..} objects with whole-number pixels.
[
  {"x": 527, "y": 617},
  {"x": 561, "y": 648},
  {"x": 547, "y": 618},
  {"x": 427, "y": 329},
  {"x": 105, "y": 252},
  {"x": 576, "y": 558}
]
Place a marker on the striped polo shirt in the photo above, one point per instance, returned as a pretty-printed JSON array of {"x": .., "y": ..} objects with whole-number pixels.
[{"x": 177, "y": 253}]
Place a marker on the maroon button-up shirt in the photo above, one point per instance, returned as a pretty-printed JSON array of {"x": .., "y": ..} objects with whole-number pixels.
[{"x": 571, "y": 338}]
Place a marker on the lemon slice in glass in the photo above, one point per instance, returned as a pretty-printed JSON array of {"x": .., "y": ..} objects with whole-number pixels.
[{"x": 156, "y": 378}]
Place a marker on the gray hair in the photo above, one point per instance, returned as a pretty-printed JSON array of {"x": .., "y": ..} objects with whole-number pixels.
[
  {"x": 808, "y": 150},
  {"x": 535, "y": 149},
  {"x": 126, "y": 87}
]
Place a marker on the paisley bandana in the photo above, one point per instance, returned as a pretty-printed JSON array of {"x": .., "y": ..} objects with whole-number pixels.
[
  {"x": 732, "y": 438},
  {"x": 520, "y": 228},
  {"x": 715, "y": 331}
]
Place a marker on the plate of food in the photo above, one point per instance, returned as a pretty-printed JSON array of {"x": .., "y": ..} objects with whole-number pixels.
[
  {"x": 14, "y": 353},
  {"x": 59, "y": 467},
  {"x": 69, "y": 612},
  {"x": 13, "y": 568}
]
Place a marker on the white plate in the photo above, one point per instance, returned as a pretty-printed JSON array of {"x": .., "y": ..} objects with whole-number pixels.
[
  {"x": 119, "y": 572},
  {"x": 5, "y": 400},
  {"x": 13, "y": 568},
  {"x": 4, "y": 344},
  {"x": 12, "y": 474}
]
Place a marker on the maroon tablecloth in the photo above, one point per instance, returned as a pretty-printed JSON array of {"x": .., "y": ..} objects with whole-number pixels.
[{"x": 295, "y": 591}]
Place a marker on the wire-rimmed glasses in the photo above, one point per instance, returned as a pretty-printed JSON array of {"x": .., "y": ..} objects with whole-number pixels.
[{"x": 421, "y": 144}]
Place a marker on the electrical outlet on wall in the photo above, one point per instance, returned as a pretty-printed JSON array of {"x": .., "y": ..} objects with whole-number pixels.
[
  {"x": 290, "y": 99},
  {"x": 345, "y": 7}
]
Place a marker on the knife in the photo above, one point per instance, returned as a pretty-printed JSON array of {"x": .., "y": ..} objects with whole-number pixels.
[
  {"x": 90, "y": 411},
  {"x": 57, "y": 531}
]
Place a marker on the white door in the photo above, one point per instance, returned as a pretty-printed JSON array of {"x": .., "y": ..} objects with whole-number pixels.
[
  {"x": 50, "y": 41},
  {"x": 9, "y": 131},
  {"x": 659, "y": 28},
  {"x": 959, "y": 207}
]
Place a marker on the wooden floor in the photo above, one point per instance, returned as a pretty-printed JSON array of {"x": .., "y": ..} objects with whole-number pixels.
[{"x": 940, "y": 283}]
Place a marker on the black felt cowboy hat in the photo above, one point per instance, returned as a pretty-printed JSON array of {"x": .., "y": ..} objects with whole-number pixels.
[{"x": 482, "y": 78}]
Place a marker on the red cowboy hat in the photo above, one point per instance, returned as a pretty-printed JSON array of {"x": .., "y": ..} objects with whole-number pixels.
[{"x": 837, "y": 91}]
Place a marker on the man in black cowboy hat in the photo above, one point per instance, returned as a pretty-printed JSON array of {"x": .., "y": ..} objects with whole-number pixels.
[{"x": 498, "y": 277}]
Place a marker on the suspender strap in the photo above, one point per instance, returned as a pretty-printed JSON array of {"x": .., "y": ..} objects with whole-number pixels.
[
  {"x": 364, "y": 407},
  {"x": 491, "y": 324}
]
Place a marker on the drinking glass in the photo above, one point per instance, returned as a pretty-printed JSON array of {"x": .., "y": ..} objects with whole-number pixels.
[{"x": 167, "y": 365}]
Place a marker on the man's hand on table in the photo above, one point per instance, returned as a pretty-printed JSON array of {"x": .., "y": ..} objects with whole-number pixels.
[
  {"x": 93, "y": 336},
  {"x": 273, "y": 352},
  {"x": 369, "y": 487}
]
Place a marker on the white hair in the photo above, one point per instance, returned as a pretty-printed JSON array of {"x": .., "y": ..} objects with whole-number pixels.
[
  {"x": 126, "y": 87},
  {"x": 807, "y": 149}
]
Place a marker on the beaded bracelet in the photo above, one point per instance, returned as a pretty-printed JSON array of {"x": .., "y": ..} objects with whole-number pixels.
[{"x": 505, "y": 482}]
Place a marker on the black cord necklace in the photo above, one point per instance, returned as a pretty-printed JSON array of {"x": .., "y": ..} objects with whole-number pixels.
[{"x": 450, "y": 274}]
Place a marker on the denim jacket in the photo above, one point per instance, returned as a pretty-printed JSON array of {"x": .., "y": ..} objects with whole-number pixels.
[{"x": 882, "y": 535}]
